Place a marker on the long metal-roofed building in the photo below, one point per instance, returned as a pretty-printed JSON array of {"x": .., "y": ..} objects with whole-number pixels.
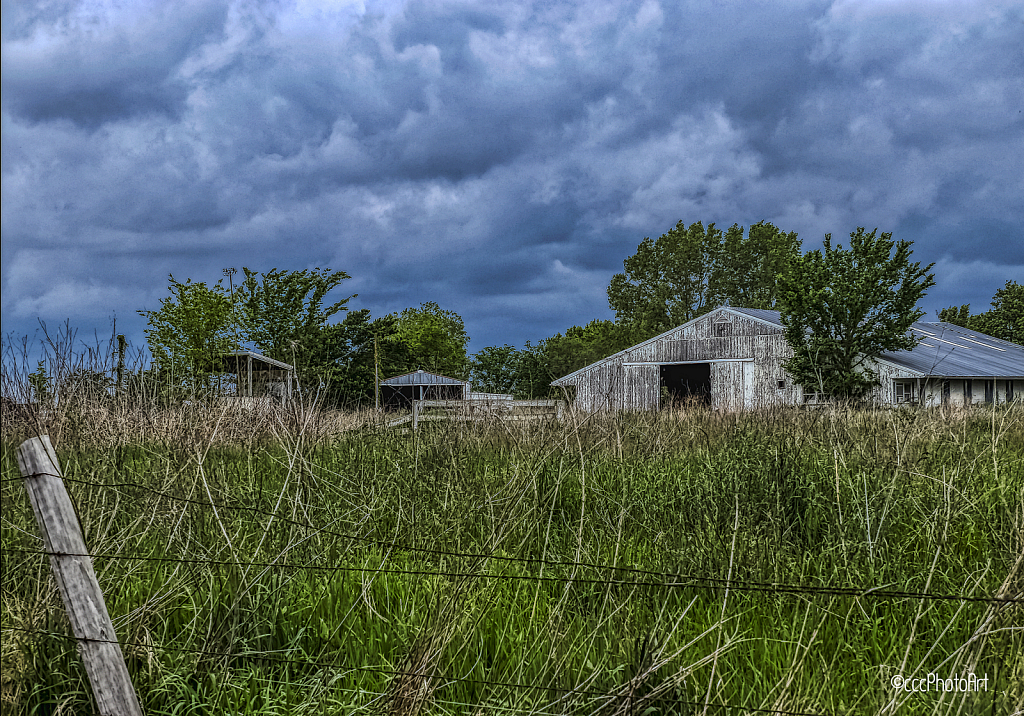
[
  {"x": 732, "y": 358},
  {"x": 400, "y": 391}
]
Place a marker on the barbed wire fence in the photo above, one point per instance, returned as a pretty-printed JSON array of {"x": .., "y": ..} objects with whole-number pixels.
[{"x": 597, "y": 574}]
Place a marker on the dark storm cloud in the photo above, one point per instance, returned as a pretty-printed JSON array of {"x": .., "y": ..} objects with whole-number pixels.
[
  {"x": 93, "y": 69},
  {"x": 498, "y": 158}
]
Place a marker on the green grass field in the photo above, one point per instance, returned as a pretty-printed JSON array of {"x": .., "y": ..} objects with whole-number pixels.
[{"x": 631, "y": 564}]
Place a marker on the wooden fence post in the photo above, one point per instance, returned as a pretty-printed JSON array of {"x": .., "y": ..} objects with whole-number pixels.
[{"x": 62, "y": 537}]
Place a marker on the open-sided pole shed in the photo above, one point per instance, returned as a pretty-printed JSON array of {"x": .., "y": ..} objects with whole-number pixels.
[
  {"x": 258, "y": 375},
  {"x": 401, "y": 390}
]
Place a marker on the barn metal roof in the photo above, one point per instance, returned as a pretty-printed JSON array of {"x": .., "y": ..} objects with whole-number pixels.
[
  {"x": 764, "y": 314},
  {"x": 949, "y": 350},
  {"x": 943, "y": 350},
  {"x": 421, "y": 377}
]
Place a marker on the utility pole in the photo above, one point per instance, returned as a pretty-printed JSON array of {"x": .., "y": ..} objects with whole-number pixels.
[
  {"x": 376, "y": 376},
  {"x": 230, "y": 272},
  {"x": 121, "y": 345}
]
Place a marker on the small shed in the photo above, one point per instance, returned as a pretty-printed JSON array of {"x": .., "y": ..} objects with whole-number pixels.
[
  {"x": 734, "y": 358},
  {"x": 259, "y": 376},
  {"x": 400, "y": 391}
]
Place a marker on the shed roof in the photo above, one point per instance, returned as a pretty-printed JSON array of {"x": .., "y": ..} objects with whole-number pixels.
[
  {"x": 421, "y": 377},
  {"x": 232, "y": 361},
  {"x": 944, "y": 350},
  {"x": 949, "y": 350}
]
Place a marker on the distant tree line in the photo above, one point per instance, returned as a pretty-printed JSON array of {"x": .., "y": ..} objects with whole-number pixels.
[
  {"x": 282, "y": 315},
  {"x": 1005, "y": 320},
  {"x": 839, "y": 305}
]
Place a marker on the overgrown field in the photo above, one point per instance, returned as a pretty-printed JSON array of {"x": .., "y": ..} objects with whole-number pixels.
[{"x": 788, "y": 561}]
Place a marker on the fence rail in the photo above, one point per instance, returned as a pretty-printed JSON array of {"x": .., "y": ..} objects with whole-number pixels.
[{"x": 477, "y": 410}]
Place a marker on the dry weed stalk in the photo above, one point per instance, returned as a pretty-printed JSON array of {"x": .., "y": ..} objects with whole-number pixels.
[{"x": 417, "y": 679}]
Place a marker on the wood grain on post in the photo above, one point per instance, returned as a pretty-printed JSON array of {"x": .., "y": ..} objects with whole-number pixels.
[{"x": 62, "y": 536}]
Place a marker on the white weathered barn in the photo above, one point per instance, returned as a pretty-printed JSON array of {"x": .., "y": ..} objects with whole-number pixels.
[{"x": 732, "y": 358}]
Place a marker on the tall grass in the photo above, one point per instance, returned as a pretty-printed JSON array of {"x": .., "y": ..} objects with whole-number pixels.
[{"x": 553, "y": 568}]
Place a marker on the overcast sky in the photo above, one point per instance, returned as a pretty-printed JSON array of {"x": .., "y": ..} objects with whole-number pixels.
[{"x": 500, "y": 159}]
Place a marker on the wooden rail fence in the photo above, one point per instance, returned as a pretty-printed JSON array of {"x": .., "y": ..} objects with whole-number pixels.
[{"x": 476, "y": 410}]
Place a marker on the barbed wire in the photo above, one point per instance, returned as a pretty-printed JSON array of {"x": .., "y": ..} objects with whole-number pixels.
[
  {"x": 679, "y": 579},
  {"x": 732, "y": 585},
  {"x": 666, "y": 580},
  {"x": 264, "y": 656}
]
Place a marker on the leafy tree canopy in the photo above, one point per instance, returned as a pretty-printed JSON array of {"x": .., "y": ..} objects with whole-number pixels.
[
  {"x": 346, "y": 355},
  {"x": 562, "y": 354},
  {"x": 39, "y": 382},
  {"x": 691, "y": 270},
  {"x": 435, "y": 337},
  {"x": 1004, "y": 321},
  {"x": 749, "y": 266},
  {"x": 283, "y": 312},
  {"x": 841, "y": 307},
  {"x": 495, "y": 369},
  {"x": 190, "y": 330}
]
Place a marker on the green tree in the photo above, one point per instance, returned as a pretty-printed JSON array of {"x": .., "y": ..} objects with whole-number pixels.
[
  {"x": 562, "y": 354},
  {"x": 436, "y": 338},
  {"x": 1005, "y": 320},
  {"x": 667, "y": 282},
  {"x": 335, "y": 357},
  {"x": 843, "y": 307},
  {"x": 190, "y": 330},
  {"x": 345, "y": 355},
  {"x": 495, "y": 369},
  {"x": 40, "y": 383},
  {"x": 749, "y": 266},
  {"x": 688, "y": 271},
  {"x": 283, "y": 313},
  {"x": 957, "y": 315}
]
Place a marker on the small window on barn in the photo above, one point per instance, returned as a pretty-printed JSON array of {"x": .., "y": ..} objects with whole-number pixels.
[
  {"x": 721, "y": 329},
  {"x": 904, "y": 392},
  {"x": 782, "y": 384}
]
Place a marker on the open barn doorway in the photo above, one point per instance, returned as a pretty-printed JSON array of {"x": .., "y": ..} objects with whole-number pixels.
[{"x": 684, "y": 384}]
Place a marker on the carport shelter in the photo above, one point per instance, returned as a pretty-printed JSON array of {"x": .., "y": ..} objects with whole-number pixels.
[
  {"x": 259, "y": 375},
  {"x": 399, "y": 392}
]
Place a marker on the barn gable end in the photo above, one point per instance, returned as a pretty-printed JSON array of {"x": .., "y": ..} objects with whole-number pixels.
[{"x": 728, "y": 358}]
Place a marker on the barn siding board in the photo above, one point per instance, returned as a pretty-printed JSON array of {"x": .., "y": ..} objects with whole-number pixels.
[
  {"x": 643, "y": 387},
  {"x": 884, "y": 392},
  {"x": 727, "y": 385}
]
